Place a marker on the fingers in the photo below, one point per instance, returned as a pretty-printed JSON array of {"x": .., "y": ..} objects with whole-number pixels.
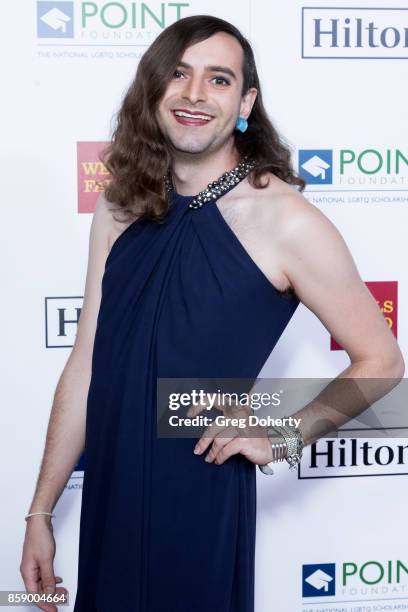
[
  {"x": 49, "y": 582},
  {"x": 47, "y": 577},
  {"x": 194, "y": 410},
  {"x": 42, "y": 605},
  {"x": 224, "y": 441},
  {"x": 49, "y": 607},
  {"x": 31, "y": 576},
  {"x": 224, "y": 448},
  {"x": 34, "y": 584},
  {"x": 216, "y": 447},
  {"x": 214, "y": 429},
  {"x": 219, "y": 441},
  {"x": 208, "y": 436}
]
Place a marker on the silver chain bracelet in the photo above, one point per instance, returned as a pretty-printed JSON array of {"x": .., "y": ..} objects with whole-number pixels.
[{"x": 290, "y": 448}]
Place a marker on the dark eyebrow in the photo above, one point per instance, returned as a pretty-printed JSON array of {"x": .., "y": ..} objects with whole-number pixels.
[{"x": 223, "y": 69}]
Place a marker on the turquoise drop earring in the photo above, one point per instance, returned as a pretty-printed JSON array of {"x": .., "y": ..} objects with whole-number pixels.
[{"x": 241, "y": 124}]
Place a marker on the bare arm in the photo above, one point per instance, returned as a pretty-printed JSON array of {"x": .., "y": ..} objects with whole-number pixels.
[
  {"x": 66, "y": 428},
  {"x": 323, "y": 274},
  {"x": 316, "y": 261}
]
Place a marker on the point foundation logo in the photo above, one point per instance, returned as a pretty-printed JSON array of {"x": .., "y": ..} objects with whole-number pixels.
[
  {"x": 350, "y": 169},
  {"x": 55, "y": 19},
  {"x": 108, "y": 23},
  {"x": 369, "y": 579}
]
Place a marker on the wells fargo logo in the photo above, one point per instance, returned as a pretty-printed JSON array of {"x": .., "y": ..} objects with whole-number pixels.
[
  {"x": 92, "y": 175},
  {"x": 386, "y": 295}
]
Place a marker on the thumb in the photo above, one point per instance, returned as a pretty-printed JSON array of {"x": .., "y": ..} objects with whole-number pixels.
[{"x": 48, "y": 578}]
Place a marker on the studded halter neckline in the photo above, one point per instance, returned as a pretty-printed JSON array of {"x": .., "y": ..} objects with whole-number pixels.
[{"x": 216, "y": 188}]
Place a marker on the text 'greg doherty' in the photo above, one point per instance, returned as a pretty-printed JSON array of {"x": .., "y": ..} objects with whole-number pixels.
[{"x": 242, "y": 423}]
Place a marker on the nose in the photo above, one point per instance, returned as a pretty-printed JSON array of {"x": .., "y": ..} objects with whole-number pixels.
[{"x": 194, "y": 90}]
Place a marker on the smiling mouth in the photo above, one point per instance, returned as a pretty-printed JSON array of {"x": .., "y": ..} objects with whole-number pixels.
[{"x": 185, "y": 118}]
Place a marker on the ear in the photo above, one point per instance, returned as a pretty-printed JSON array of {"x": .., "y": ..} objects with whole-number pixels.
[{"x": 247, "y": 102}]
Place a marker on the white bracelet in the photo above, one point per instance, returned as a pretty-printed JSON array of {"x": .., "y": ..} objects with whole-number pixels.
[{"x": 33, "y": 513}]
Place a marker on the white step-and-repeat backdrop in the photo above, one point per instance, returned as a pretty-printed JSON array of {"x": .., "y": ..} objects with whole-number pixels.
[{"x": 334, "y": 80}]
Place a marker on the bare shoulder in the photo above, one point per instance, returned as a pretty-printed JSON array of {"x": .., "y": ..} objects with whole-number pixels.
[
  {"x": 110, "y": 219},
  {"x": 313, "y": 253},
  {"x": 294, "y": 217},
  {"x": 322, "y": 272},
  {"x": 306, "y": 243}
]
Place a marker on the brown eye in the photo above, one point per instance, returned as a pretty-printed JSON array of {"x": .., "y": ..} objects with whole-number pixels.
[{"x": 225, "y": 81}]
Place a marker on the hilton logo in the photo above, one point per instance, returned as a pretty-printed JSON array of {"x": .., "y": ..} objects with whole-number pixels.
[
  {"x": 61, "y": 320},
  {"x": 354, "y": 33},
  {"x": 328, "y": 458}
]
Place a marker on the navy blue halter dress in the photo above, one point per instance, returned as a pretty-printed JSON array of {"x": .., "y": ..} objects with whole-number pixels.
[{"x": 161, "y": 530}]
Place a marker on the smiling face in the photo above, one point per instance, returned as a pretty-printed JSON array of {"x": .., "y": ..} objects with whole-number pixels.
[{"x": 203, "y": 99}]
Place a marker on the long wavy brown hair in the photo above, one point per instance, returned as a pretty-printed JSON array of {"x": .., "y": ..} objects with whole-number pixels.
[{"x": 138, "y": 156}]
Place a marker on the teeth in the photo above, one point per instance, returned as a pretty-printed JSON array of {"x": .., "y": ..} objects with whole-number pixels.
[{"x": 183, "y": 114}]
